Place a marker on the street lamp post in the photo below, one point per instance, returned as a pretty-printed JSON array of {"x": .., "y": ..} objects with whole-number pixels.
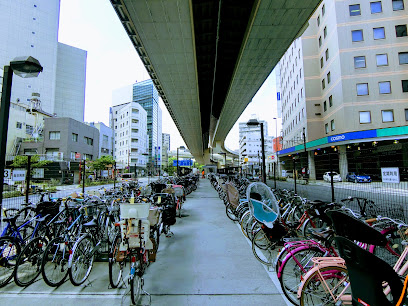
[
  {"x": 25, "y": 67},
  {"x": 254, "y": 122},
  {"x": 276, "y": 150},
  {"x": 177, "y": 161}
]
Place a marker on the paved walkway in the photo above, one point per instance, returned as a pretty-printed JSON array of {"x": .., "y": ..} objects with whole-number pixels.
[{"x": 207, "y": 262}]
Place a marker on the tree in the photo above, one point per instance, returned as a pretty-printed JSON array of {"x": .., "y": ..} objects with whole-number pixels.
[
  {"x": 102, "y": 162},
  {"x": 21, "y": 161}
]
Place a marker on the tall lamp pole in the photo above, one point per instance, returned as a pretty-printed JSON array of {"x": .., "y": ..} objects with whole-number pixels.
[
  {"x": 254, "y": 122},
  {"x": 25, "y": 67},
  {"x": 177, "y": 161},
  {"x": 276, "y": 151}
]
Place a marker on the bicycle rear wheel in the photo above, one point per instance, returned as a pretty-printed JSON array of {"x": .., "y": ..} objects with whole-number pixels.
[
  {"x": 315, "y": 292},
  {"x": 9, "y": 251},
  {"x": 54, "y": 265},
  {"x": 244, "y": 220},
  {"x": 116, "y": 263},
  {"x": 81, "y": 260},
  {"x": 28, "y": 265},
  {"x": 293, "y": 267}
]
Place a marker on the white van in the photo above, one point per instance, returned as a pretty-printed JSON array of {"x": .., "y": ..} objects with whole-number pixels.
[{"x": 128, "y": 177}]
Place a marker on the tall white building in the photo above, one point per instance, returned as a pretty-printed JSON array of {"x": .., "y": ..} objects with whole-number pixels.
[
  {"x": 250, "y": 146},
  {"x": 30, "y": 28},
  {"x": 345, "y": 80},
  {"x": 129, "y": 124}
]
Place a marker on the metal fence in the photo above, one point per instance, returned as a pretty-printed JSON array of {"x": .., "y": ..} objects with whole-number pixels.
[
  {"x": 365, "y": 171},
  {"x": 26, "y": 177}
]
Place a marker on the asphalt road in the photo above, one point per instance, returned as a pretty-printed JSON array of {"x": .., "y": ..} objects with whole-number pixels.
[{"x": 391, "y": 199}]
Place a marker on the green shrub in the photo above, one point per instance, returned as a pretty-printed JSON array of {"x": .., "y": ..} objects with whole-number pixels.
[{"x": 11, "y": 194}]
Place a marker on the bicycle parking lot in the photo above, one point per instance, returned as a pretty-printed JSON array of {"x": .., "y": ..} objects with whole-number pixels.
[{"x": 206, "y": 262}]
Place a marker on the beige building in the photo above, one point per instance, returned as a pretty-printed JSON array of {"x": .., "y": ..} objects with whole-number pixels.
[{"x": 347, "y": 73}]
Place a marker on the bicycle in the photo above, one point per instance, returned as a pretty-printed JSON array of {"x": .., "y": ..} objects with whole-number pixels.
[{"x": 131, "y": 247}]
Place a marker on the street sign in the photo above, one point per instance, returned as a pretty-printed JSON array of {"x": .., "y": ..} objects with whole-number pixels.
[
  {"x": 183, "y": 162},
  {"x": 7, "y": 174},
  {"x": 77, "y": 155},
  {"x": 19, "y": 175},
  {"x": 390, "y": 175}
]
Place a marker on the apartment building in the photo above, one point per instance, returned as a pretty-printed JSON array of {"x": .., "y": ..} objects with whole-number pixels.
[{"x": 129, "y": 124}]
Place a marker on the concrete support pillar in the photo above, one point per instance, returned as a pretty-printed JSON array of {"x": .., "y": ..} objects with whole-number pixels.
[
  {"x": 311, "y": 166},
  {"x": 343, "y": 163}
]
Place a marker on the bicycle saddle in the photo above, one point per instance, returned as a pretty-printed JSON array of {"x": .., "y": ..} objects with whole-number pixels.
[{"x": 91, "y": 223}]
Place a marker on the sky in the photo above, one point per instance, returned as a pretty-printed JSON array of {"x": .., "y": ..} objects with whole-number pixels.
[{"x": 112, "y": 63}]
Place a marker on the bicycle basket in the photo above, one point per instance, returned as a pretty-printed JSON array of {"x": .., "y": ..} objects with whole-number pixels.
[
  {"x": 47, "y": 208},
  {"x": 262, "y": 204}
]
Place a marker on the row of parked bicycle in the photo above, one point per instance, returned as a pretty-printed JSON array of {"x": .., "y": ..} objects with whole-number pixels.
[
  {"x": 61, "y": 237},
  {"x": 322, "y": 253}
]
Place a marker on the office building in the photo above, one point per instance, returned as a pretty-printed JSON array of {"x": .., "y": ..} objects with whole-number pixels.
[
  {"x": 30, "y": 28},
  {"x": 147, "y": 96},
  {"x": 105, "y": 138},
  {"x": 344, "y": 82}
]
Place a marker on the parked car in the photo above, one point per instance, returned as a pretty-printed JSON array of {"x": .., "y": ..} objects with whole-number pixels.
[
  {"x": 358, "y": 177},
  {"x": 336, "y": 177}
]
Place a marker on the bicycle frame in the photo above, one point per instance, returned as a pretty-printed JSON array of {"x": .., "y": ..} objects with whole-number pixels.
[
  {"x": 15, "y": 233},
  {"x": 296, "y": 246},
  {"x": 321, "y": 262}
]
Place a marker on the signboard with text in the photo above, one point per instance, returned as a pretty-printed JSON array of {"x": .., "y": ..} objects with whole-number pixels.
[
  {"x": 19, "y": 175},
  {"x": 390, "y": 175},
  {"x": 184, "y": 162},
  {"x": 7, "y": 174}
]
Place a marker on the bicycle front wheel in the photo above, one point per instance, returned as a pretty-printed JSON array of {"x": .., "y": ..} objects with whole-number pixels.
[
  {"x": 262, "y": 248},
  {"x": 229, "y": 210},
  {"x": 81, "y": 260},
  {"x": 116, "y": 263},
  {"x": 319, "y": 288},
  {"x": 136, "y": 283},
  {"x": 28, "y": 265},
  {"x": 9, "y": 251},
  {"x": 54, "y": 265},
  {"x": 293, "y": 267}
]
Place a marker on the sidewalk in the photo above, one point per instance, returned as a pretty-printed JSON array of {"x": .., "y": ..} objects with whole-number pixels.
[{"x": 207, "y": 262}]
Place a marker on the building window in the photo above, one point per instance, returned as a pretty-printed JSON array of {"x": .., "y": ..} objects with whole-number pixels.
[
  {"x": 382, "y": 59},
  {"x": 357, "y": 35},
  {"x": 321, "y": 62},
  {"x": 29, "y": 129},
  {"x": 379, "y": 33},
  {"x": 328, "y": 78},
  {"x": 325, "y": 31},
  {"x": 385, "y": 87},
  {"x": 397, "y": 5},
  {"x": 326, "y": 128},
  {"x": 320, "y": 41},
  {"x": 401, "y": 30},
  {"x": 404, "y": 85},
  {"x": 406, "y": 114},
  {"x": 323, "y": 84},
  {"x": 323, "y": 10},
  {"x": 403, "y": 58},
  {"x": 359, "y": 62},
  {"x": 327, "y": 54},
  {"x": 355, "y": 10},
  {"x": 330, "y": 101},
  {"x": 365, "y": 117},
  {"x": 318, "y": 21},
  {"x": 74, "y": 137},
  {"x": 362, "y": 89},
  {"x": 19, "y": 125},
  {"x": 333, "y": 127},
  {"x": 88, "y": 141},
  {"x": 387, "y": 116},
  {"x": 324, "y": 106},
  {"x": 55, "y": 135},
  {"x": 376, "y": 7}
]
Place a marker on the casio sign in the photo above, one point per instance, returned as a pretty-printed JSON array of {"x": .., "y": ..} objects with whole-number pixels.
[{"x": 337, "y": 138}]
